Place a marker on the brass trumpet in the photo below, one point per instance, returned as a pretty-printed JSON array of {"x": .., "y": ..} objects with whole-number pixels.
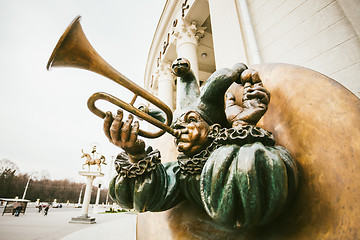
[{"x": 74, "y": 50}]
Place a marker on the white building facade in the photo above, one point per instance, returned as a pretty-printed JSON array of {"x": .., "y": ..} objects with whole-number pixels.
[{"x": 322, "y": 35}]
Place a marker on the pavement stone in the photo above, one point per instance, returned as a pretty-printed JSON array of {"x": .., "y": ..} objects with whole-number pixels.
[
  {"x": 123, "y": 228},
  {"x": 35, "y": 226}
]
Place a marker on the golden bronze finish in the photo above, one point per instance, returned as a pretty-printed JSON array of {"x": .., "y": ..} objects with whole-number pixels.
[
  {"x": 74, "y": 50},
  {"x": 94, "y": 160},
  {"x": 317, "y": 120}
]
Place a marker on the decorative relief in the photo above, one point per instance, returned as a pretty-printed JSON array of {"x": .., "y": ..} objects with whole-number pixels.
[
  {"x": 187, "y": 32},
  {"x": 182, "y": 32},
  {"x": 163, "y": 71},
  {"x": 184, "y": 7}
]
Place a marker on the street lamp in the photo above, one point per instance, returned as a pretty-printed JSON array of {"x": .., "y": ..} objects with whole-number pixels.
[
  {"x": 79, "y": 202},
  {"x": 27, "y": 185},
  {"x": 96, "y": 208},
  {"x": 109, "y": 178}
]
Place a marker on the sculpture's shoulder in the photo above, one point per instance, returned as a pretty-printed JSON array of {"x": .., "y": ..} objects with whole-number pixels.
[{"x": 254, "y": 151}]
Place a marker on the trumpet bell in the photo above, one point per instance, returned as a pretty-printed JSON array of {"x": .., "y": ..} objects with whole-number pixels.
[{"x": 74, "y": 50}]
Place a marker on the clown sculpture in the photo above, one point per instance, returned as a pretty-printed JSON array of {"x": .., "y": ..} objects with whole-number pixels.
[{"x": 227, "y": 166}]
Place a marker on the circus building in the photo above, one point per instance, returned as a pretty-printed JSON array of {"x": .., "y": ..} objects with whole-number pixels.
[{"x": 322, "y": 35}]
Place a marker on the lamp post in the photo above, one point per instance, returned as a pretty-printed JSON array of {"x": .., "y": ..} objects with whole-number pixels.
[
  {"x": 111, "y": 167},
  {"x": 79, "y": 202},
  {"x": 96, "y": 207},
  {"x": 107, "y": 199},
  {"x": 27, "y": 185}
]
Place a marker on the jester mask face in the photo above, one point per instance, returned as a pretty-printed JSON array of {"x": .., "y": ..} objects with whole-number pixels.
[{"x": 194, "y": 133}]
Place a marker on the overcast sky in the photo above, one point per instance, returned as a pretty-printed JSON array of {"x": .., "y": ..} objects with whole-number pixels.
[{"x": 44, "y": 117}]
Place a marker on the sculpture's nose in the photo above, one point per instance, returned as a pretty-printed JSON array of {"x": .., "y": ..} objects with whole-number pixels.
[
  {"x": 179, "y": 128},
  {"x": 179, "y": 125}
]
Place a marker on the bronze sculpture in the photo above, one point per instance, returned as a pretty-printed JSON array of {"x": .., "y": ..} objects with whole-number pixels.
[
  {"x": 228, "y": 166},
  {"x": 94, "y": 160},
  {"x": 316, "y": 119}
]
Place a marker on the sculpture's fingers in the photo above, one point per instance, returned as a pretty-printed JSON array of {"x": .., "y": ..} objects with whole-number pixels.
[
  {"x": 126, "y": 128},
  {"x": 246, "y": 76},
  {"x": 107, "y": 124},
  {"x": 115, "y": 128},
  {"x": 229, "y": 99},
  {"x": 257, "y": 94},
  {"x": 134, "y": 132},
  {"x": 257, "y": 91},
  {"x": 255, "y": 77},
  {"x": 260, "y": 88},
  {"x": 266, "y": 98},
  {"x": 141, "y": 144}
]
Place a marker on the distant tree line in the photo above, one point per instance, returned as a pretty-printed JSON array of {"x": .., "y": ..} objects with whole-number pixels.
[{"x": 13, "y": 183}]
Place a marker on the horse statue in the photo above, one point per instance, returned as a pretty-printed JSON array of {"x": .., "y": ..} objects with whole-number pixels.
[{"x": 92, "y": 160}]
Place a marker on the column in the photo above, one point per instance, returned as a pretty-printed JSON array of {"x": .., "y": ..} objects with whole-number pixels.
[
  {"x": 227, "y": 36},
  {"x": 253, "y": 52},
  {"x": 186, "y": 37},
  {"x": 85, "y": 218},
  {"x": 165, "y": 80},
  {"x": 86, "y": 202}
]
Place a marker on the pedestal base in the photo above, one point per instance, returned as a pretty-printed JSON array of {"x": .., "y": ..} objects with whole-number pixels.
[
  {"x": 83, "y": 219},
  {"x": 91, "y": 174}
]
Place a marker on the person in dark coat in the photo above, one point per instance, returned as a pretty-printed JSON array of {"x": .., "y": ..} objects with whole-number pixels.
[
  {"x": 18, "y": 210},
  {"x": 40, "y": 208},
  {"x": 46, "y": 209}
]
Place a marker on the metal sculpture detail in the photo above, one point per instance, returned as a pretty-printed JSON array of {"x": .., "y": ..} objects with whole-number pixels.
[
  {"x": 227, "y": 165},
  {"x": 94, "y": 160}
]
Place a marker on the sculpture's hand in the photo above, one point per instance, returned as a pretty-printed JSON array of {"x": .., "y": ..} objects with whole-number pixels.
[
  {"x": 253, "y": 88},
  {"x": 254, "y": 103},
  {"x": 124, "y": 135}
]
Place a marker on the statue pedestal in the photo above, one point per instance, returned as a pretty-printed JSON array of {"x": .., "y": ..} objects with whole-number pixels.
[
  {"x": 85, "y": 218},
  {"x": 82, "y": 219}
]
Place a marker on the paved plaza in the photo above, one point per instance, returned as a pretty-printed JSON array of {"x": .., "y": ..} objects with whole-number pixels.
[{"x": 33, "y": 225}]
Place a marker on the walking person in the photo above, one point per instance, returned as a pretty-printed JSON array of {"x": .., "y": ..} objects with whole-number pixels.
[
  {"x": 40, "y": 208},
  {"x": 46, "y": 210}
]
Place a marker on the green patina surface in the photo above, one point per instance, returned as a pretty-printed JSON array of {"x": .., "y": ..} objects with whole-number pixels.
[{"x": 239, "y": 186}]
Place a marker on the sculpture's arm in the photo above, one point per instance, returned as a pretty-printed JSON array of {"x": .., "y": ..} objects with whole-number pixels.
[
  {"x": 147, "y": 185},
  {"x": 142, "y": 183}
]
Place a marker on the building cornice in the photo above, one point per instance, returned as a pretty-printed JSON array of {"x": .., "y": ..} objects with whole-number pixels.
[{"x": 161, "y": 29}]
